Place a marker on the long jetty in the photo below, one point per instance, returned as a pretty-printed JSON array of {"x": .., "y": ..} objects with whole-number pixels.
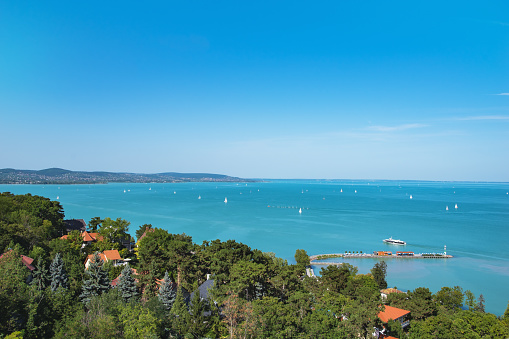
[{"x": 375, "y": 255}]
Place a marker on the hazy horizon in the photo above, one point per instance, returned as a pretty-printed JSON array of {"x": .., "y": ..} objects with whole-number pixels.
[
  {"x": 263, "y": 178},
  {"x": 389, "y": 91}
]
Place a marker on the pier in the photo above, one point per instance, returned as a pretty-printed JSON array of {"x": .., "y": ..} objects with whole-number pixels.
[{"x": 375, "y": 255}]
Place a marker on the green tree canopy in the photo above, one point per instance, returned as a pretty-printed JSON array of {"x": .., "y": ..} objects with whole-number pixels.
[
  {"x": 115, "y": 230},
  {"x": 302, "y": 258}
]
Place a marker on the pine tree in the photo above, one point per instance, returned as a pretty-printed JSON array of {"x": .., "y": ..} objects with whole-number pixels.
[
  {"x": 97, "y": 282},
  {"x": 166, "y": 293},
  {"x": 57, "y": 273},
  {"x": 379, "y": 272},
  {"x": 480, "y": 305},
  {"x": 127, "y": 285},
  {"x": 40, "y": 276},
  {"x": 179, "y": 315},
  {"x": 198, "y": 309}
]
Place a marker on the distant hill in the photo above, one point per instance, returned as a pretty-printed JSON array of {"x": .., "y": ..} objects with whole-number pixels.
[{"x": 63, "y": 176}]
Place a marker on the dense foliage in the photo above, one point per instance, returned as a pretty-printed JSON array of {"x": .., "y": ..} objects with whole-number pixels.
[{"x": 253, "y": 294}]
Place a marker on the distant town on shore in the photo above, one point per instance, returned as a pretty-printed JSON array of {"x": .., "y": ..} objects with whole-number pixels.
[{"x": 63, "y": 176}]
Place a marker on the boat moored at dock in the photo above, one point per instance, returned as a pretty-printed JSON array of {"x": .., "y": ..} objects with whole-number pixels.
[{"x": 394, "y": 241}]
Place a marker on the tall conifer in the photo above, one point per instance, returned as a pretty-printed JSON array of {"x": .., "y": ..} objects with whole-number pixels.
[
  {"x": 57, "y": 272},
  {"x": 40, "y": 276},
  {"x": 127, "y": 285},
  {"x": 166, "y": 293},
  {"x": 97, "y": 282},
  {"x": 179, "y": 315}
]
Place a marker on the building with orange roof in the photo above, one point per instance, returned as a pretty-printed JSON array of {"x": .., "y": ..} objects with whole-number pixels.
[
  {"x": 394, "y": 313},
  {"x": 88, "y": 237},
  {"x": 106, "y": 256}
]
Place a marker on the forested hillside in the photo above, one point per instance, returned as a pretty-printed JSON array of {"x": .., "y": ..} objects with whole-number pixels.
[{"x": 171, "y": 287}]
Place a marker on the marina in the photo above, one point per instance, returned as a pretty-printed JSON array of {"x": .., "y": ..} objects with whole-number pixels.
[{"x": 315, "y": 259}]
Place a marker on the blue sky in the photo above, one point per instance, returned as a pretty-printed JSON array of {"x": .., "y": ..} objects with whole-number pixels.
[{"x": 280, "y": 89}]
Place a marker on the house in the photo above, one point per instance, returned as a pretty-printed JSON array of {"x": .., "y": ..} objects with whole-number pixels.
[
  {"x": 385, "y": 292},
  {"x": 88, "y": 237},
  {"x": 147, "y": 230},
  {"x": 74, "y": 225},
  {"x": 27, "y": 261},
  {"x": 204, "y": 290},
  {"x": 106, "y": 256},
  {"x": 393, "y": 313}
]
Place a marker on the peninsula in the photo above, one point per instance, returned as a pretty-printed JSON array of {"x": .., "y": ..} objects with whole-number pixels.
[{"x": 63, "y": 176}]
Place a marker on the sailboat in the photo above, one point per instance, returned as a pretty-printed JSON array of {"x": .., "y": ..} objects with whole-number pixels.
[
  {"x": 446, "y": 208},
  {"x": 225, "y": 200},
  {"x": 341, "y": 191},
  {"x": 58, "y": 197},
  {"x": 456, "y": 206},
  {"x": 199, "y": 197},
  {"x": 300, "y": 210},
  {"x": 411, "y": 196}
]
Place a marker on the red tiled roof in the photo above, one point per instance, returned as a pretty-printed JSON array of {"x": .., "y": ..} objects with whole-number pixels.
[
  {"x": 112, "y": 255},
  {"x": 91, "y": 256},
  {"x": 106, "y": 256},
  {"x": 87, "y": 236},
  {"x": 91, "y": 236},
  {"x": 392, "y": 313},
  {"x": 27, "y": 261},
  {"x": 145, "y": 233},
  {"x": 114, "y": 282}
]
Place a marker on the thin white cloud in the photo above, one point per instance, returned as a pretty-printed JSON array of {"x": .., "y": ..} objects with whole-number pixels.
[
  {"x": 502, "y": 94},
  {"x": 395, "y": 128},
  {"x": 484, "y": 117}
]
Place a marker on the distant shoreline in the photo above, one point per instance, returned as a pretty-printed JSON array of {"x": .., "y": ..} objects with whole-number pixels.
[{"x": 58, "y": 176}]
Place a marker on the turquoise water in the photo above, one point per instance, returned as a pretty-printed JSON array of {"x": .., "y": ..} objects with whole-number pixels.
[{"x": 476, "y": 233}]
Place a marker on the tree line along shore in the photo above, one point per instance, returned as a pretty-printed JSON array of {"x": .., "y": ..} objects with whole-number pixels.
[
  {"x": 62, "y": 176},
  {"x": 59, "y": 280}
]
